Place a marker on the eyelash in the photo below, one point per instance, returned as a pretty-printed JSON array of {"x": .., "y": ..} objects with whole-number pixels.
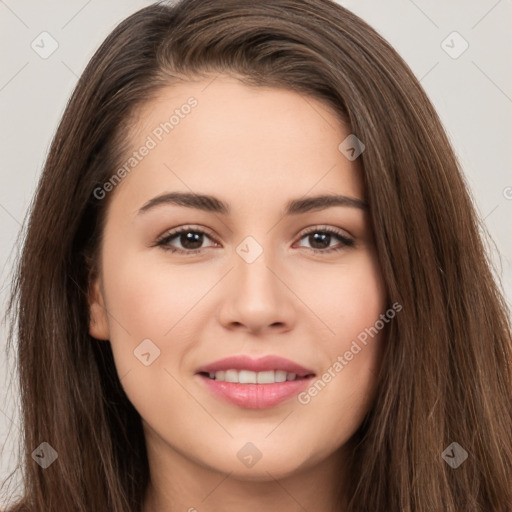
[{"x": 163, "y": 241}]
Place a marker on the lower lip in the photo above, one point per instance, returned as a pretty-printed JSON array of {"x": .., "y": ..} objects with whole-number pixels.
[{"x": 256, "y": 396}]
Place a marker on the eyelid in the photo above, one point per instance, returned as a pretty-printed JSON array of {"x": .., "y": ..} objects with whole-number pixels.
[
  {"x": 326, "y": 227},
  {"x": 185, "y": 227}
]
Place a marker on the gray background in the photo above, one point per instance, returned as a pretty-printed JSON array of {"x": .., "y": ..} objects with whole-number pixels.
[{"x": 472, "y": 94}]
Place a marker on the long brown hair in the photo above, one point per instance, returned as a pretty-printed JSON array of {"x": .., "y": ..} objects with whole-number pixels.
[{"x": 446, "y": 371}]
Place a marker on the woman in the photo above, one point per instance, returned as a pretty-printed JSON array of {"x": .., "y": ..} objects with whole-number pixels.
[{"x": 190, "y": 338}]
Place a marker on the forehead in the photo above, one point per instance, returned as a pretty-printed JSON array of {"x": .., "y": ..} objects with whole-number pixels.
[{"x": 221, "y": 137}]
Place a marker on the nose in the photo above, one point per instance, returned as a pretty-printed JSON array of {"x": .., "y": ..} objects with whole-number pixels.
[{"x": 256, "y": 297}]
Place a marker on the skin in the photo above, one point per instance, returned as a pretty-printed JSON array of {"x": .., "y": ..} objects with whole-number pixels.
[{"x": 256, "y": 149}]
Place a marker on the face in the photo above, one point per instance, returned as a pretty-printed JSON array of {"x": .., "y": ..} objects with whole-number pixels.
[{"x": 261, "y": 271}]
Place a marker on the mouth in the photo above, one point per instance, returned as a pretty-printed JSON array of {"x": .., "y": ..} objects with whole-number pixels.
[
  {"x": 251, "y": 383},
  {"x": 254, "y": 383}
]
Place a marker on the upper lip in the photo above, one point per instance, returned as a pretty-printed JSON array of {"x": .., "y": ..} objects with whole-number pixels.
[{"x": 266, "y": 363}]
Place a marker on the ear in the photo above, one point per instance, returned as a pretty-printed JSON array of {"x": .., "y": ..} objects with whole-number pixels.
[{"x": 98, "y": 319}]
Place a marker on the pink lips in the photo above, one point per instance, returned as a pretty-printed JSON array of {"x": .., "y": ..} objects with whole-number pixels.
[{"x": 255, "y": 396}]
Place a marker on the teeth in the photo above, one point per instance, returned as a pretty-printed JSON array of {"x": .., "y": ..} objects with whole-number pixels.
[
  {"x": 248, "y": 377},
  {"x": 231, "y": 376},
  {"x": 280, "y": 375}
]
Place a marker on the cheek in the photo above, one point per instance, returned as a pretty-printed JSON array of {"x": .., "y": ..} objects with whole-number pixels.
[
  {"x": 352, "y": 307},
  {"x": 159, "y": 302},
  {"x": 359, "y": 321},
  {"x": 349, "y": 298},
  {"x": 150, "y": 299},
  {"x": 150, "y": 302}
]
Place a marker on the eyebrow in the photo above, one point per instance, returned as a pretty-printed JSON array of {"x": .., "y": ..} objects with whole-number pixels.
[{"x": 209, "y": 203}]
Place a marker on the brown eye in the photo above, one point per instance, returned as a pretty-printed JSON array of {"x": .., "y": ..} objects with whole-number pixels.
[
  {"x": 190, "y": 239},
  {"x": 320, "y": 240}
]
